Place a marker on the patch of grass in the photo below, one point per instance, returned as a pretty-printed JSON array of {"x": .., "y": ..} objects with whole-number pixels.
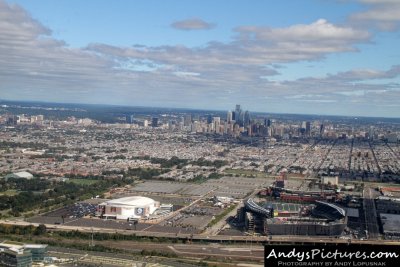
[
  {"x": 220, "y": 216},
  {"x": 245, "y": 172},
  {"x": 10, "y": 192}
]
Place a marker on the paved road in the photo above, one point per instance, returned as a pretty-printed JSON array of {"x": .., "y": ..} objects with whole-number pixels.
[
  {"x": 219, "y": 238},
  {"x": 371, "y": 221},
  {"x": 220, "y": 251},
  {"x": 77, "y": 257}
]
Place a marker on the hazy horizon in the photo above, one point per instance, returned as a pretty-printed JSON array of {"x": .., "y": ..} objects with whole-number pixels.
[{"x": 193, "y": 109}]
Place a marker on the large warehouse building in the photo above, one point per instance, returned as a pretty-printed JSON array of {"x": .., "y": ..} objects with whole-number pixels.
[{"x": 135, "y": 207}]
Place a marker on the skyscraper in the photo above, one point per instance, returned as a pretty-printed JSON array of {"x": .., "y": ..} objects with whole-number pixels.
[
  {"x": 154, "y": 122},
  {"x": 247, "y": 119},
  {"x": 234, "y": 115},
  {"x": 229, "y": 117},
  {"x": 308, "y": 128},
  {"x": 130, "y": 119},
  {"x": 238, "y": 108},
  {"x": 217, "y": 119},
  {"x": 216, "y": 122},
  {"x": 209, "y": 118},
  {"x": 239, "y": 116},
  {"x": 187, "y": 120}
]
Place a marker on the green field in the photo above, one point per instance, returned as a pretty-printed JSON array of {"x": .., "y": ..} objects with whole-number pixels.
[
  {"x": 242, "y": 172},
  {"x": 82, "y": 181}
]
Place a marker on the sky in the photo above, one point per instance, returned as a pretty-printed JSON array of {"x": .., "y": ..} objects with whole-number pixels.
[{"x": 333, "y": 57}]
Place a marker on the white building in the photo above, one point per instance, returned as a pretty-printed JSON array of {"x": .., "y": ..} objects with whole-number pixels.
[
  {"x": 392, "y": 137},
  {"x": 330, "y": 180},
  {"x": 134, "y": 207}
]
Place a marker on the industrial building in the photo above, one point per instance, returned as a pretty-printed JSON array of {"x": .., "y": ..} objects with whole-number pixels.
[
  {"x": 134, "y": 207},
  {"x": 390, "y": 225},
  {"x": 330, "y": 180},
  {"x": 20, "y": 254},
  {"x": 388, "y": 205}
]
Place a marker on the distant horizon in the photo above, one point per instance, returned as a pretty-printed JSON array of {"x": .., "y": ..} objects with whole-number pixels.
[{"x": 193, "y": 109}]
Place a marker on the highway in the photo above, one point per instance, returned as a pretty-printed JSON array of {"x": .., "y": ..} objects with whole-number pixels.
[
  {"x": 371, "y": 222},
  {"x": 190, "y": 252},
  {"x": 220, "y": 238}
]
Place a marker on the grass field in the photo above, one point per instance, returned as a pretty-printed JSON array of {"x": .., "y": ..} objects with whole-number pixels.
[
  {"x": 83, "y": 181},
  {"x": 242, "y": 172}
]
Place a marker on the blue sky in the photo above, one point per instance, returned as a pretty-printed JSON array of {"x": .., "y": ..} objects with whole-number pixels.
[{"x": 320, "y": 57}]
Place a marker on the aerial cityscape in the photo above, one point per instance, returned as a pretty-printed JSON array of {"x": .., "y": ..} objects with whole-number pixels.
[
  {"x": 188, "y": 133},
  {"x": 188, "y": 175}
]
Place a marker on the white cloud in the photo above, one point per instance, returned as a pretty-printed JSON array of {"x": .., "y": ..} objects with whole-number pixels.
[
  {"x": 385, "y": 14},
  {"x": 192, "y": 24},
  {"x": 367, "y": 74},
  {"x": 320, "y": 30},
  {"x": 253, "y": 46}
]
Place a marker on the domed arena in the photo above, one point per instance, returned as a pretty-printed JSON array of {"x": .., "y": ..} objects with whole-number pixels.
[{"x": 134, "y": 207}]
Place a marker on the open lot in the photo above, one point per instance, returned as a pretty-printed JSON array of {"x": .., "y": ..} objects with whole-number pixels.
[
  {"x": 237, "y": 187},
  {"x": 172, "y": 188}
]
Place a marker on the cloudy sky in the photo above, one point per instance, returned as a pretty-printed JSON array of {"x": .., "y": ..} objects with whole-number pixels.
[{"x": 337, "y": 57}]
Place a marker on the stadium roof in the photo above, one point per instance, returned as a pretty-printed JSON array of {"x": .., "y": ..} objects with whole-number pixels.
[
  {"x": 339, "y": 209},
  {"x": 129, "y": 201},
  {"x": 22, "y": 174},
  {"x": 352, "y": 212}
]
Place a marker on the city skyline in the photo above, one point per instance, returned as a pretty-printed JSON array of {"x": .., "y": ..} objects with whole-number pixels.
[{"x": 333, "y": 58}]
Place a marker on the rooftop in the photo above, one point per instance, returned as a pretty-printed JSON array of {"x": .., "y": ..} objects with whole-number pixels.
[
  {"x": 129, "y": 201},
  {"x": 390, "y": 222}
]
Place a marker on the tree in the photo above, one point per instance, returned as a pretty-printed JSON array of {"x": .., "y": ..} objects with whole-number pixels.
[{"x": 40, "y": 230}]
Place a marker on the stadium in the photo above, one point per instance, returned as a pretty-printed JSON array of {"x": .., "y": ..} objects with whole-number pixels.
[
  {"x": 135, "y": 207},
  {"x": 320, "y": 218}
]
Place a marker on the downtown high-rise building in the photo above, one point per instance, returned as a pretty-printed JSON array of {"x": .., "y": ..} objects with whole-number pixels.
[
  {"x": 234, "y": 115},
  {"x": 187, "y": 120},
  {"x": 246, "y": 118},
  {"x": 209, "y": 118},
  {"x": 229, "y": 117},
  {"x": 308, "y": 128},
  {"x": 130, "y": 119},
  {"x": 154, "y": 122},
  {"x": 239, "y": 115}
]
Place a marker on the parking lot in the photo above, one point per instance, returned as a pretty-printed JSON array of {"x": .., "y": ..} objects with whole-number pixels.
[
  {"x": 77, "y": 210},
  {"x": 66, "y": 214},
  {"x": 237, "y": 187}
]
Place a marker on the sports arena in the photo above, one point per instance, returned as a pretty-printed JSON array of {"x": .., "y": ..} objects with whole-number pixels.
[
  {"x": 135, "y": 207},
  {"x": 320, "y": 218}
]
